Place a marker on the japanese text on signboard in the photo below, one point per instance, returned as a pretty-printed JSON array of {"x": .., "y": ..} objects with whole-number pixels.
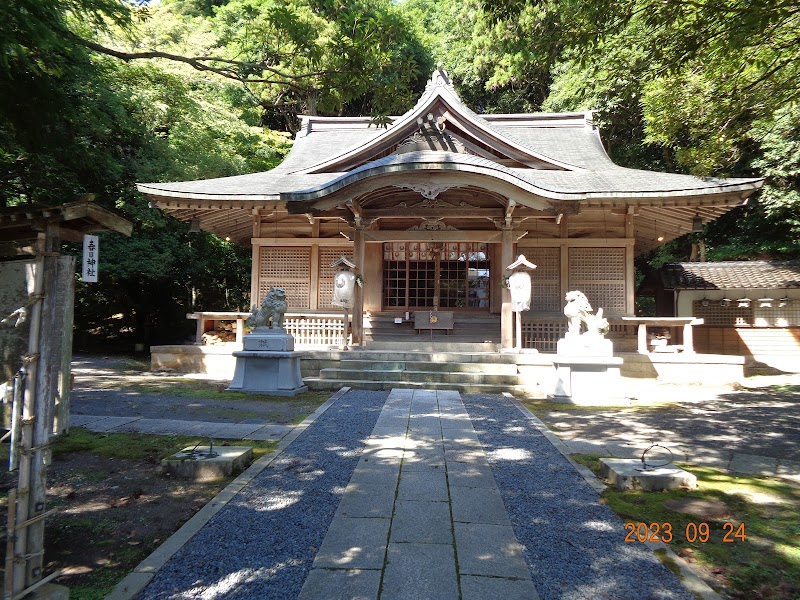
[{"x": 90, "y": 258}]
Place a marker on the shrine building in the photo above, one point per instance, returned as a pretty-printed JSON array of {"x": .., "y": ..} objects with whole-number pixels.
[{"x": 435, "y": 206}]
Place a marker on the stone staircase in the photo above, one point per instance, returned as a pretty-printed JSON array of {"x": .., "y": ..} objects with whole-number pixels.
[{"x": 471, "y": 370}]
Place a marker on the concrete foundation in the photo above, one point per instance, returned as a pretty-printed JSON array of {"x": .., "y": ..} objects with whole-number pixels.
[
  {"x": 627, "y": 474},
  {"x": 194, "y": 463}
]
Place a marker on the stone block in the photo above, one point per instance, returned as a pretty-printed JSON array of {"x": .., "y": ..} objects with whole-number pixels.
[
  {"x": 276, "y": 340},
  {"x": 627, "y": 474},
  {"x": 195, "y": 463}
]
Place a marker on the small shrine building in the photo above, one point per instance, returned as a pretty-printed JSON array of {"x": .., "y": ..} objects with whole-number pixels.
[{"x": 435, "y": 206}]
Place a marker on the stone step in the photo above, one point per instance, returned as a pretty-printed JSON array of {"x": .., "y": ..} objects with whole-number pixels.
[
  {"x": 419, "y": 376},
  {"x": 493, "y": 368},
  {"x": 448, "y": 357},
  {"x": 520, "y": 391},
  {"x": 440, "y": 343}
]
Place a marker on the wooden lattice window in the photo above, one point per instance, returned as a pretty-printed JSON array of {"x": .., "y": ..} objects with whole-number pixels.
[
  {"x": 414, "y": 273},
  {"x": 288, "y": 268},
  {"x": 546, "y": 297},
  {"x": 600, "y": 274}
]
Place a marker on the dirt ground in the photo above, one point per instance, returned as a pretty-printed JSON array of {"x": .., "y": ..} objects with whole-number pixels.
[{"x": 112, "y": 511}]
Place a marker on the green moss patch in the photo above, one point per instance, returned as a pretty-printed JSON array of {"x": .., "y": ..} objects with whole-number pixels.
[{"x": 765, "y": 565}]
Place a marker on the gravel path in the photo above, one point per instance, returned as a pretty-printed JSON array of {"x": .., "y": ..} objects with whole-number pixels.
[
  {"x": 573, "y": 544},
  {"x": 262, "y": 544}
]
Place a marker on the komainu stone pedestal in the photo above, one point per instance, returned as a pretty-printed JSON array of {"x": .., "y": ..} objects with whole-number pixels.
[
  {"x": 587, "y": 372},
  {"x": 268, "y": 364}
]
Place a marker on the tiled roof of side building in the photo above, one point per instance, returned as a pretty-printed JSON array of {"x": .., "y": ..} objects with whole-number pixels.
[{"x": 756, "y": 274}]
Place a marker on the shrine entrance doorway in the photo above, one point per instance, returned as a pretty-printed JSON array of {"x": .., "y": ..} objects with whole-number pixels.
[{"x": 436, "y": 276}]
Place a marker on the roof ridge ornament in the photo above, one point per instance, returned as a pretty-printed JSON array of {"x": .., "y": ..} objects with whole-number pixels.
[{"x": 440, "y": 78}]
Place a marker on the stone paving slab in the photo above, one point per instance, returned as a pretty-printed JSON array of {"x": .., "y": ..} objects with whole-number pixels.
[
  {"x": 270, "y": 432},
  {"x": 231, "y": 431},
  {"x": 470, "y": 475},
  {"x": 478, "y": 505},
  {"x": 748, "y": 464},
  {"x": 108, "y": 424},
  {"x": 357, "y": 584},
  {"x": 489, "y": 550},
  {"x": 417, "y": 571},
  {"x": 366, "y": 500},
  {"x": 83, "y": 420},
  {"x": 483, "y": 588},
  {"x": 423, "y": 485},
  {"x": 422, "y": 522},
  {"x": 354, "y": 544},
  {"x": 370, "y": 472},
  {"x": 163, "y": 427}
]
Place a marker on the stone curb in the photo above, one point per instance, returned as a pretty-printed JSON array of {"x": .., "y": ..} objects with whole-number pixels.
[
  {"x": 144, "y": 572},
  {"x": 691, "y": 577}
]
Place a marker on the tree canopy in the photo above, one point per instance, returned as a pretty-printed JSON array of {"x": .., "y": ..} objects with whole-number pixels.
[{"x": 96, "y": 95}]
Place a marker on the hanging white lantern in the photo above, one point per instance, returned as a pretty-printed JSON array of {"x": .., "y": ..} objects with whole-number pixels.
[
  {"x": 765, "y": 302},
  {"x": 344, "y": 284}
]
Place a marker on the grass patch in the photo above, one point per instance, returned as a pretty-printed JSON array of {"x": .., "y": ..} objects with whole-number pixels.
[
  {"x": 189, "y": 388},
  {"x": 140, "y": 446},
  {"x": 765, "y": 566}
]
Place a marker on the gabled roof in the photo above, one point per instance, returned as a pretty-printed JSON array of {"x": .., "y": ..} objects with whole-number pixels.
[{"x": 756, "y": 274}]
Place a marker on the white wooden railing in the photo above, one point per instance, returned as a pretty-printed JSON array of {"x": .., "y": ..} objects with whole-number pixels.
[{"x": 309, "y": 330}]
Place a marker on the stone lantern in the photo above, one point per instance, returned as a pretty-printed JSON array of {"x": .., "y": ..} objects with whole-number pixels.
[
  {"x": 519, "y": 284},
  {"x": 344, "y": 291}
]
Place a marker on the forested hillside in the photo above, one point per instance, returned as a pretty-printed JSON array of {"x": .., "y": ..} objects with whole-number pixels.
[{"x": 96, "y": 95}]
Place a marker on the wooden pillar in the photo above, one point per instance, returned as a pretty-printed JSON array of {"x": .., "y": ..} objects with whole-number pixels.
[
  {"x": 255, "y": 263},
  {"x": 313, "y": 291},
  {"x": 506, "y": 315},
  {"x": 358, "y": 309},
  {"x": 630, "y": 278}
]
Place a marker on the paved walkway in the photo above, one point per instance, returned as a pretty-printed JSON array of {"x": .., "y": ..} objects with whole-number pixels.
[
  {"x": 252, "y": 429},
  {"x": 259, "y": 429},
  {"x": 422, "y": 514}
]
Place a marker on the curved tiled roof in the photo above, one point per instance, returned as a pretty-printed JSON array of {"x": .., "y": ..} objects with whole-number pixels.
[
  {"x": 567, "y": 145},
  {"x": 756, "y": 274}
]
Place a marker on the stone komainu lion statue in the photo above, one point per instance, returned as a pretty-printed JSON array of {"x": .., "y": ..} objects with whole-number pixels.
[
  {"x": 578, "y": 310},
  {"x": 273, "y": 307}
]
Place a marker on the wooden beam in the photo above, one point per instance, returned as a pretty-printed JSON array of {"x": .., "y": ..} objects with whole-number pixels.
[
  {"x": 273, "y": 241},
  {"x": 433, "y": 213},
  {"x": 432, "y": 236},
  {"x": 529, "y": 242}
]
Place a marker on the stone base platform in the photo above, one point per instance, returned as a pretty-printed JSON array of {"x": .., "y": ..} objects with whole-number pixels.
[{"x": 271, "y": 373}]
